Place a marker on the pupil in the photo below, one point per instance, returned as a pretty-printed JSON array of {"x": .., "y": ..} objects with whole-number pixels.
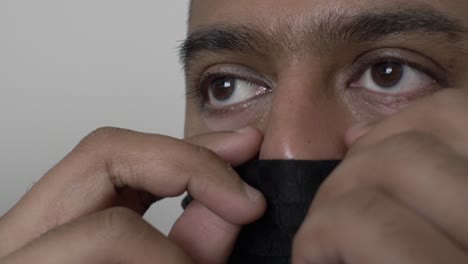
[
  {"x": 387, "y": 74},
  {"x": 223, "y": 89}
]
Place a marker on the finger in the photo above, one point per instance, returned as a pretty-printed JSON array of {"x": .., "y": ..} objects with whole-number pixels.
[
  {"x": 203, "y": 235},
  {"x": 356, "y": 132},
  {"x": 113, "y": 236},
  {"x": 442, "y": 115},
  {"x": 416, "y": 169},
  {"x": 228, "y": 150},
  {"x": 366, "y": 226},
  {"x": 243, "y": 146},
  {"x": 110, "y": 160},
  {"x": 246, "y": 141}
]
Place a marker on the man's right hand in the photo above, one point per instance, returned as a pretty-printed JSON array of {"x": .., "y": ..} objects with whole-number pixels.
[{"x": 88, "y": 208}]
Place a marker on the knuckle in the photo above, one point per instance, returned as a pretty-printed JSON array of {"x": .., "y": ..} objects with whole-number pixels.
[
  {"x": 103, "y": 133},
  {"x": 204, "y": 181},
  {"x": 100, "y": 137},
  {"x": 205, "y": 152},
  {"x": 206, "y": 155},
  {"x": 119, "y": 223}
]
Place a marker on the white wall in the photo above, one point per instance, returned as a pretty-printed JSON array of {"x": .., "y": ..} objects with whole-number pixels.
[{"x": 68, "y": 67}]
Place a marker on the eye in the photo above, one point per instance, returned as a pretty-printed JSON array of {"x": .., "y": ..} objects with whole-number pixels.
[
  {"x": 225, "y": 91},
  {"x": 393, "y": 78}
]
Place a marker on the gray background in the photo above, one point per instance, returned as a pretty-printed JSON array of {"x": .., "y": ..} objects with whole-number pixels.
[{"x": 68, "y": 67}]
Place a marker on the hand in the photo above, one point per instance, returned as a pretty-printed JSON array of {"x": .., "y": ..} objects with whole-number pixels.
[
  {"x": 88, "y": 208},
  {"x": 400, "y": 194}
]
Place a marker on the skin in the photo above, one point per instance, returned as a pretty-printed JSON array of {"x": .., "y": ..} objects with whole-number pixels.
[
  {"x": 397, "y": 197},
  {"x": 386, "y": 201}
]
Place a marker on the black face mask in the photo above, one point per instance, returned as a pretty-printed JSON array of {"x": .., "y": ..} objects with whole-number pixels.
[{"x": 289, "y": 187}]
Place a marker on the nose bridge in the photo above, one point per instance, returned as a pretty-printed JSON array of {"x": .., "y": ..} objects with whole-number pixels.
[{"x": 305, "y": 122}]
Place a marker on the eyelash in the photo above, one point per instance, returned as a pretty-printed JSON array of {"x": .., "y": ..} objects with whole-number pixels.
[
  {"x": 358, "y": 71},
  {"x": 200, "y": 92},
  {"x": 353, "y": 74}
]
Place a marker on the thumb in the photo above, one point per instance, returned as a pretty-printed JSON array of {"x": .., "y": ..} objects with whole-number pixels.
[{"x": 203, "y": 235}]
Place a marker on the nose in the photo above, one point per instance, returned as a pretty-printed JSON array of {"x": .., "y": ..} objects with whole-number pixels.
[{"x": 306, "y": 121}]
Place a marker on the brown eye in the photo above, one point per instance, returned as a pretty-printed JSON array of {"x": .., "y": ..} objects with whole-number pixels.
[
  {"x": 393, "y": 78},
  {"x": 387, "y": 74},
  {"x": 224, "y": 92},
  {"x": 222, "y": 89}
]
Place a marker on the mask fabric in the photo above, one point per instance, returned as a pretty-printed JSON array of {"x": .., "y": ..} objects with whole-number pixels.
[{"x": 289, "y": 187}]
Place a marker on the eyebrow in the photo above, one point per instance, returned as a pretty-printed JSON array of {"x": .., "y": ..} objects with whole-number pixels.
[
  {"x": 330, "y": 30},
  {"x": 221, "y": 37}
]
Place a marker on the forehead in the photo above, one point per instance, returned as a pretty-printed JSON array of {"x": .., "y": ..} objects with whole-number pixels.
[{"x": 274, "y": 13}]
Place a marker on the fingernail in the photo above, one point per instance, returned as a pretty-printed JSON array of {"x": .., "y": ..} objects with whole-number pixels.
[{"x": 252, "y": 193}]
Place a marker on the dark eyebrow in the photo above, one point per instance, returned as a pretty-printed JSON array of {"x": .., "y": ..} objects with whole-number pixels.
[
  {"x": 372, "y": 26},
  {"x": 221, "y": 37},
  {"x": 329, "y": 30}
]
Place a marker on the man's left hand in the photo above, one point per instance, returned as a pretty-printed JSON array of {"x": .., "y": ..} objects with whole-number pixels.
[{"x": 401, "y": 193}]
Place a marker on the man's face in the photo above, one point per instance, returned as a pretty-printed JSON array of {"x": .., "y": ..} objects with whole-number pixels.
[{"x": 304, "y": 71}]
